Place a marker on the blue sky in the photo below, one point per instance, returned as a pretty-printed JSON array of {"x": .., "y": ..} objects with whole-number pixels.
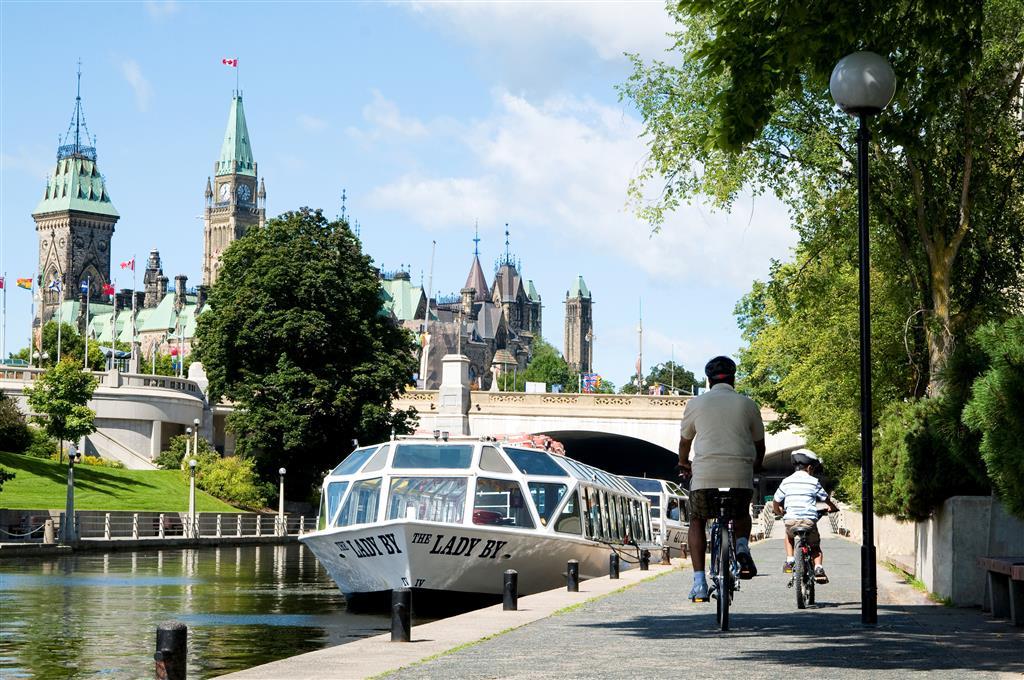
[{"x": 431, "y": 116}]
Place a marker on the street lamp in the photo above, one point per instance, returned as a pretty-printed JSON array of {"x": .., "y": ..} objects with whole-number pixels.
[
  {"x": 195, "y": 436},
  {"x": 68, "y": 532},
  {"x": 862, "y": 84},
  {"x": 192, "y": 497},
  {"x": 280, "y": 505}
]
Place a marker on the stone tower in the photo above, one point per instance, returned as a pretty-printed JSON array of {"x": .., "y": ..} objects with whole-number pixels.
[
  {"x": 74, "y": 220},
  {"x": 154, "y": 282},
  {"x": 234, "y": 202},
  {"x": 579, "y": 328}
]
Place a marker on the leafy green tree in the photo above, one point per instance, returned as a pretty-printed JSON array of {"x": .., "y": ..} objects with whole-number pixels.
[
  {"x": 173, "y": 457},
  {"x": 744, "y": 105},
  {"x": 995, "y": 409},
  {"x": 164, "y": 365},
  {"x": 295, "y": 337},
  {"x": 547, "y": 366},
  {"x": 59, "y": 398},
  {"x": 667, "y": 374},
  {"x": 71, "y": 345},
  {"x": 5, "y": 475},
  {"x": 15, "y": 435}
]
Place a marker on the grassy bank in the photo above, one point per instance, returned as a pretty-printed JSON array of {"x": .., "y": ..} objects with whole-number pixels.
[{"x": 42, "y": 484}]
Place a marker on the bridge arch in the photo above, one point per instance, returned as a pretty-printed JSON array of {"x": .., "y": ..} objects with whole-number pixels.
[{"x": 620, "y": 454}]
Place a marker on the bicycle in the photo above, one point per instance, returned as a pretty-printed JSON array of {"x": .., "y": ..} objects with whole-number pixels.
[
  {"x": 725, "y": 569},
  {"x": 803, "y": 570}
]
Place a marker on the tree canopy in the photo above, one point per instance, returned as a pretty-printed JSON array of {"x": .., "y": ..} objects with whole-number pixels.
[
  {"x": 60, "y": 397},
  {"x": 297, "y": 339},
  {"x": 669, "y": 374}
]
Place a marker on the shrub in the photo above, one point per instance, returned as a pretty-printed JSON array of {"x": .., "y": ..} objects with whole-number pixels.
[
  {"x": 42, "y": 445},
  {"x": 4, "y": 476},
  {"x": 15, "y": 435},
  {"x": 996, "y": 409},
  {"x": 172, "y": 458},
  {"x": 232, "y": 479},
  {"x": 99, "y": 461}
]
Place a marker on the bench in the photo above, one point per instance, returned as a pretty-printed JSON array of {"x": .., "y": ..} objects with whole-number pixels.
[{"x": 1004, "y": 587}]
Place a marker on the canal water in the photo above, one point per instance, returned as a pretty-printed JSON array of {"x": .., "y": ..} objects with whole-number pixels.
[{"x": 93, "y": 615}]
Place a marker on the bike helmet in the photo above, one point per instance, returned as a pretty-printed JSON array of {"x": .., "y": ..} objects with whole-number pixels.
[
  {"x": 720, "y": 368},
  {"x": 804, "y": 457}
]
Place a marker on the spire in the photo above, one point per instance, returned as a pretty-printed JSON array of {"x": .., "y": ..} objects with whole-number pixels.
[
  {"x": 209, "y": 189},
  {"x": 77, "y": 143},
  {"x": 344, "y": 198},
  {"x": 579, "y": 289},
  {"x": 476, "y": 239},
  {"x": 236, "y": 153},
  {"x": 507, "y": 260},
  {"x": 476, "y": 278}
]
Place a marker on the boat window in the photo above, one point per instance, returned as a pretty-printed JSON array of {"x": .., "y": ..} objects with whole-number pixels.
[
  {"x": 354, "y": 461},
  {"x": 535, "y": 462},
  {"x": 589, "y": 513},
  {"x": 568, "y": 521},
  {"x": 673, "y": 509},
  {"x": 546, "y": 496},
  {"x": 604, "y": 514},
  {"x": 378, "y": 460},
  {"x": 491, "y": 461},
  {"x": 645, "y": 485},
  {"x": 501, "y": 502},
  {"x": 455, "y": 456},
  {"x": 435, "y": 499},
  {"x": 361, "y": 505},
  {"x": 335, "y": 492}
]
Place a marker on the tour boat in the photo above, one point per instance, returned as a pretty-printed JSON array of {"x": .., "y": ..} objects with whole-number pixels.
[
  {"x": 670, "y": 505},
  {"x": 450, "y": 515}
]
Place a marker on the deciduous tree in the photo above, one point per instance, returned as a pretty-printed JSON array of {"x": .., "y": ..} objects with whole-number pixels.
[{"x": 59, "y": 399}]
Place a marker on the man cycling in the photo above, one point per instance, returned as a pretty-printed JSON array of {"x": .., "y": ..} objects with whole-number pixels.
[
  {"x": 725, "y": 432},
  {"x": 797, "y": 497}
]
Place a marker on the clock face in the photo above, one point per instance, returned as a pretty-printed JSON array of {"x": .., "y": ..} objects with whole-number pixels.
[
  {"x": 244, "y": 193},
  {"x": 223, "y": 192}
]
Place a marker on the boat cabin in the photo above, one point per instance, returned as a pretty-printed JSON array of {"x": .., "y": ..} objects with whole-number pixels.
[{"x": 670, "y": 509}]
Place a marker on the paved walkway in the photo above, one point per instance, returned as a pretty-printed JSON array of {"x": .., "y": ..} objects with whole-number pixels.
[{"x": 652, "y": 631}]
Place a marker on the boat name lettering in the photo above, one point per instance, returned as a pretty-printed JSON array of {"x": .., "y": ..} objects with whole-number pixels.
[
  {"x": 464, "y": 546},
  {"x": 368, "y": 547},
  {"x": 419, "y": 537}
]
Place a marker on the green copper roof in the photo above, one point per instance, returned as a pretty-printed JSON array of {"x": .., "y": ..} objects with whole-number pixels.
[
  {"x": 531, "y": 291},
  {"x": 401, "y": 298},
  {"x": 236, "y": 153},
  {"x": 579, "y": 289},
  {"x": 76, "y": 184}
]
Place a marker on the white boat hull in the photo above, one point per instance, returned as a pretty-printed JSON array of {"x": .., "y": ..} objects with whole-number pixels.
[{"x": 419, "y": 554}]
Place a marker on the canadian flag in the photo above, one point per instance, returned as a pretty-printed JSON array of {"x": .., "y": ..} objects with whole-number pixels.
[
  {"x": 230, "y": 62},
  {"x": 108, "y": 289},
  {"x": 130, "y": 264}
]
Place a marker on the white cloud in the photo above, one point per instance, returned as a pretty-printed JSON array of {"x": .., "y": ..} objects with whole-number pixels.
[
  {"x": 28, "y": 161},
  {"x": 160, "y": 9},
  {"x": 311, "y": 123},
  {"x": 561, "y": 166},
  {"x": 386, "y": 118},
  {"x": 133, "y": 74}
]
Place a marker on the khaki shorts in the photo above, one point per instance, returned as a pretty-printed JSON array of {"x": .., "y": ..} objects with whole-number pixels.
[{"x": 813, "y": 537}]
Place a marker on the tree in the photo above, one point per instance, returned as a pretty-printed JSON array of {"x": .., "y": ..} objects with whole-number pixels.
[
  {"x": 296, "y": 338},
  {"x": 173, "y": 457},
  {"x": 547, "y": 366},
  {"x": 5, "y": 475},
  {"x": 669, "y": 375},
  {"x": 71, "y": 345},
  {"x": 59, "y": 397},
  {"x": 164, "y": 365},
  {"x": 747, "y": 107},
  {"x": 15, "y": 435}
]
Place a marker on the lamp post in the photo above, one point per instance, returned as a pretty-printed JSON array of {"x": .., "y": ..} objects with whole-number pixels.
[
  {"x": 280, "y": 505},
  {"x": 195, "y": 436},
  {"x": 68, "y": 533},
  {"x": 192, "y": 498},
  {"x": 862, "y": 84}
]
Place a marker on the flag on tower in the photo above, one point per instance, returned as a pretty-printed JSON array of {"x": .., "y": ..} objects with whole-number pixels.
[
  {"x": 130, "y": 264},
  {"x": 55, "y": 285},
  {"x": 25, "y": 283},
  {"x": 84, "y": 286},
  {"x": 230, "y": 62},
  {"x": 3, "y": 283},
  {"x": 108, "y": 289}
]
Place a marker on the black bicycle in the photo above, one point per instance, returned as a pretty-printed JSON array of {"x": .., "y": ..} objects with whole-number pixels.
[
  {"x": 803, "y": 569},
  {"x": 725, "y": 570}
]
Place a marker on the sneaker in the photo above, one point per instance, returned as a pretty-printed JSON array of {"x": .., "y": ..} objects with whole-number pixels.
[
  {"x": 819, "y": 575},
  {"x": 699, "y": 592},
  {"x": 787, "y": 567},
  {"x": 748, "y": 569}
]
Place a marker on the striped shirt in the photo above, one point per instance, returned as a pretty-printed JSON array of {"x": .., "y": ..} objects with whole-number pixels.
[{"x": 799, "y": 494}]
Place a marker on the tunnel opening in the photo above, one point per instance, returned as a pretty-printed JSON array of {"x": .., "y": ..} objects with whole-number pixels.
[{"x": 618, "y": 454}]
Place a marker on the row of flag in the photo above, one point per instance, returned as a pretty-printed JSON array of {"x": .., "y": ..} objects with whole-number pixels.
[
  {"x": 56, "y": 285},
  {"x": 591, "y": 382}
]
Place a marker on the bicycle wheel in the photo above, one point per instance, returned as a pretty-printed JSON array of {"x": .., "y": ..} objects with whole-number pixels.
[
  {"x": 809, "y": 595},
  {"x": 799, "y": 572},
  {"x": 724, "y": 559}
]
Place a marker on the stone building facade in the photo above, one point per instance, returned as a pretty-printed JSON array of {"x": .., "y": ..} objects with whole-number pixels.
[{"x": 579, "y": 327}]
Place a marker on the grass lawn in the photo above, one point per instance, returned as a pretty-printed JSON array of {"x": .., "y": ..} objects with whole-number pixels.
[{"x": 42, "y": 485}]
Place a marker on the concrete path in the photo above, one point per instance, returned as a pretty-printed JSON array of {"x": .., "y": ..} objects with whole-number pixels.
[{"x": 652, "y": 631}]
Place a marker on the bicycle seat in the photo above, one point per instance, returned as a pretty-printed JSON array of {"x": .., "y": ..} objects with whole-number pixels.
[{"x": 800, "y": 532}]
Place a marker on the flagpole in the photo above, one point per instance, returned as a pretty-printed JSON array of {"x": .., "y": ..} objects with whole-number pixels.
[
  {"x": 85, "y": 331},
  {"x": 131, "y": 356},
  {"x": 3, "y": 338},
  {"x": 58, "y": 323},
  {"x": 113, "y": 331}
]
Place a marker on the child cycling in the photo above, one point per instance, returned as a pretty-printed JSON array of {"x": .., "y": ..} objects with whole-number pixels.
[{"x": 797, "y": 497}]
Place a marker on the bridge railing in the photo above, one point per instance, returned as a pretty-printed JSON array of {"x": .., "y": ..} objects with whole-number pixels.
[
  {"x": 482, "y": 401},
  {"x": 111, "y": 379}
]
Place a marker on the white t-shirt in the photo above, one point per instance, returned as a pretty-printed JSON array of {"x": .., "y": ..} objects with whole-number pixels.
[
  {"x": 723, "y": 425},
  {"x": 799, "y": 493}
]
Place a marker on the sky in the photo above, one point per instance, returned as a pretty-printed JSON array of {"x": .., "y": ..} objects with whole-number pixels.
[{"x": 433, "y": 117}]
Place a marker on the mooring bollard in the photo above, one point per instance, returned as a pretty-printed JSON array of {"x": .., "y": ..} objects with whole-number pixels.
[
  {"x": 613, "y": 565},
  {"x": 510, "y": 593},
  {"x": 666, "y": 556},
  {"x": 49, "y": 536},
  {"x": 572, "y": 576},
  {"x": 401, "y": 615},
  {"x": 645, "y": 560},
  {"x": 160, "y": 526},
  {"x": 171, "y": 651},
  {"x": 135, "y": 525}
]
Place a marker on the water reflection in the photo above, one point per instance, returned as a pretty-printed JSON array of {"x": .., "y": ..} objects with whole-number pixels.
[{"x": 96, "y": 614}]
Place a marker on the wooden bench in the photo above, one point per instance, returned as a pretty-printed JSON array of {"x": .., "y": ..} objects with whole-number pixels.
[{"x": 1004, "y": 588}]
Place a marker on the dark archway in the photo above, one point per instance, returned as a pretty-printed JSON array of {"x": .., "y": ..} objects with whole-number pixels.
[{"x": 618, "y": 454}]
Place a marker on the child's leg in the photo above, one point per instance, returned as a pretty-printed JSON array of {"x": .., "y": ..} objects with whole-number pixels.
[{"x": 789, "y": 546}]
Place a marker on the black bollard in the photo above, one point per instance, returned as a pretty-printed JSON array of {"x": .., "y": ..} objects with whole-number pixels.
[
  {"x": 171, "y": 651},
  {"x": 645, "y": 560},
  {"x": 572, "y": 576},
  {"x": 510, "y": 598},
  {"x": 613, "y": 565},
  {"x": 401, "y": 608},
  {"x": 666, "y": 556}
]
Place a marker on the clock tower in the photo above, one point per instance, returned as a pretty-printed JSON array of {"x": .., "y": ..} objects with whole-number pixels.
[{"x": 234, "y": 201}]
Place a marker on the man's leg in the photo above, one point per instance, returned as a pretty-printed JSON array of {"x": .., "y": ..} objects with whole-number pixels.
[
  {"x": 696, "y": 540},
  {"x": 741, "y": 527}
]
